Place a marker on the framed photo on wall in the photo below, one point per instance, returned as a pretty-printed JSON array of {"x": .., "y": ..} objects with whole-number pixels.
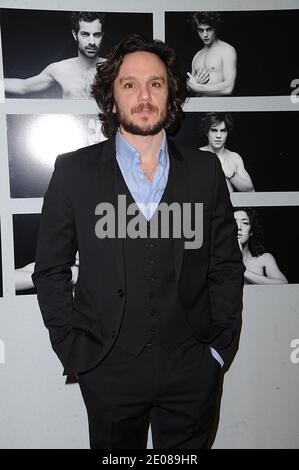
[
  {"x": 54, "y": 54},
  {"x": 240, "y": 53}
]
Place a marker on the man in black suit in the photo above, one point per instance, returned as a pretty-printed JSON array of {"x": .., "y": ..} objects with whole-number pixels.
[{"x": 152, "y": 320}]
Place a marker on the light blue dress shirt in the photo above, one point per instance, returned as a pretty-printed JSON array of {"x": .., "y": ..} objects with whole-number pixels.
[{"x": 147, "y": 195}]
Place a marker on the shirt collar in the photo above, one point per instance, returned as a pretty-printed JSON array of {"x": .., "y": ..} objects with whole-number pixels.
[{"x": 130, "y": 156}]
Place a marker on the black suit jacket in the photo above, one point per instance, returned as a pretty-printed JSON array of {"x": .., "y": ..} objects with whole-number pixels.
[{"x": 209, "y": 280}]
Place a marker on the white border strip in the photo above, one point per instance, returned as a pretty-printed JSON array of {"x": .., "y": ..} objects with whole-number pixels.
[{"x": 159, "y": 5}]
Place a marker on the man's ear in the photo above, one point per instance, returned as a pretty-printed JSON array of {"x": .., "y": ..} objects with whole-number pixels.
[
  {"x": 74, "y": 35},
  {"x": 114, "y": 108}
]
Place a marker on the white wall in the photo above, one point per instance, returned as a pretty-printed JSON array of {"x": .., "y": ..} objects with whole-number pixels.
[{"x": 259, "y": 406}]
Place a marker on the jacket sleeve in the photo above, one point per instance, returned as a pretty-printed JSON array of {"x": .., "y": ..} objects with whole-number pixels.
[
  {"x": 56, "y": 251},
  {"x": 226, "y": 269}
]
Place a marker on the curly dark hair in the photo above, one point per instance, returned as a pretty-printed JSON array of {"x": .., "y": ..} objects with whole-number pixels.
[
  {"x": 87, "y": 16},
  {"x": 210, "y": 18},
  {"x": 212, "y": 119},
  {"x": 255, "y": 241},
  {"x": 102, "y": 88}
]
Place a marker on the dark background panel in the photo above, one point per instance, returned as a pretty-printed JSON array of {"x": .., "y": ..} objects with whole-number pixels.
[
  {"x": 25, "y": 229},
  {"x": 118, "y": 25},
  {"x": 266, "y": 141},
  {"x": 32, "y": 39},
  {"x": 266, "y": 44},
  {"x": 34, "y": 141}
]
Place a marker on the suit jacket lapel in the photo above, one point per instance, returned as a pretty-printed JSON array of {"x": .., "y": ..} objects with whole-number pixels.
[
  {"x": 107, "y": 166},
  {"x": 180, "y": 191}
]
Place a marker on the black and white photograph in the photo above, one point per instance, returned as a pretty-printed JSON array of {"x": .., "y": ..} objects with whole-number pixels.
[
  {"x": 25, "y": 228},
  {"x": 25, "y": 232},
  {"x": 268, "y": 246},
  {"x": 239, "y": 53},
  {"x": 1, "y": 284},
  {"x": 53, "y": 54},
  {"x": 258, "y": 150},
  {"x": 35, "y": 141}
]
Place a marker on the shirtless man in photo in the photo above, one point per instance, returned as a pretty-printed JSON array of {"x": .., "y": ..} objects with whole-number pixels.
[
  {"x": 216, "y": 127},
  {"x": 74, "y": 75},
  {"x": 214, "y": 67}
]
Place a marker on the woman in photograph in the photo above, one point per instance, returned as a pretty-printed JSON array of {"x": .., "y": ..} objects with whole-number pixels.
[{"x": 261, "y": 267}]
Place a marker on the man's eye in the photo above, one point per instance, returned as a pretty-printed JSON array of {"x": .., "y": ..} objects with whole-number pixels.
[
  {"x": 156, "y": 84},
  {"x": 129, "y": 85}
]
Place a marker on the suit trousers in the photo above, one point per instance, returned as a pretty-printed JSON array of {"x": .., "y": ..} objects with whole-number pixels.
[{"x": 174, "y": 391}]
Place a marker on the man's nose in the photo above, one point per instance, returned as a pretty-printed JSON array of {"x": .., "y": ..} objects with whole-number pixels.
[
  {"x": 91, "y": 40},
  {"x": 144, "y": 92}
]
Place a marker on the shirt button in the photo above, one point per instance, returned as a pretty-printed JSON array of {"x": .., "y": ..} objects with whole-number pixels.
[
  {"x": 150, "y": 245},
  {"x": 152, "y": 278},
  {"x": 150, "y": 261},
  {"x": 153, "y": 312},
  {"x": 120, "y": 293}
]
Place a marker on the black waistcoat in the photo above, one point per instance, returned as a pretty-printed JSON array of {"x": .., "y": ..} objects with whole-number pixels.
[{"x": 152, "y": 311}]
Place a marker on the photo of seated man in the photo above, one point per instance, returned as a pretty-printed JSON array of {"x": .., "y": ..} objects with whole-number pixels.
[
  {"x": 217, "y": 127},
  {"x": 82, "y": 39},
  {"x": 258, "y": 145},
  {"x": 74, "y": 75},
  {"x": 237, "y": 52},
  {"x": 214, "y": 66}
]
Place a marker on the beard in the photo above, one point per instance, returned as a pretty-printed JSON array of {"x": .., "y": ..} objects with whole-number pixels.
[
  {"x": 94, "y": 52},
  {"x": 146, "y": 129}
]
